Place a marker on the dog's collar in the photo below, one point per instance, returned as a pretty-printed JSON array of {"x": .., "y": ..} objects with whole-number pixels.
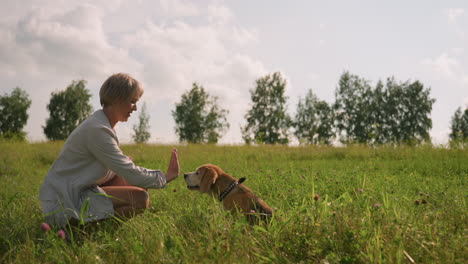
[{"x": 230, "y": 188}]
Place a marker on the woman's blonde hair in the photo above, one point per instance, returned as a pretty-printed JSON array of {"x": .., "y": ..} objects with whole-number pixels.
[{"x": 119, "y": 87}]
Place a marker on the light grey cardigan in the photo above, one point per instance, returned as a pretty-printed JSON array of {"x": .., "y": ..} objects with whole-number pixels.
[{"x": 89, "y": 155}]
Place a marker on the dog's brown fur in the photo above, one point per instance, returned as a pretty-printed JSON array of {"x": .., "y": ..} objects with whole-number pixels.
[{"x": 212, "y": 180}]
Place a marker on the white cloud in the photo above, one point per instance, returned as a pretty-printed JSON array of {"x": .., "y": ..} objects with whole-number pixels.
[
  {"x": 174, "y": 56},
  {"x": 453, "y": 14},
  {"x": 70, "y": 43},
  {"x": 443, "y": 66},
  {"x": 45, "y": 49},
  {"x": 219, "y": 14},
  {"x": 178, "y": 8}
]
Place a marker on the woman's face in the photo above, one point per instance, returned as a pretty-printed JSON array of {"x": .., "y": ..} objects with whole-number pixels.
[{"x": 125, "y": 108}]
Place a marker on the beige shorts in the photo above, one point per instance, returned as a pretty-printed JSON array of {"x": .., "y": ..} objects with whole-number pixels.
[{"x": 94, "y": 205}]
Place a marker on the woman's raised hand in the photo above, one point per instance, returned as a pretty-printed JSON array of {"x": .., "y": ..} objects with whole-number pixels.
[{"x": 173, "y": 168}]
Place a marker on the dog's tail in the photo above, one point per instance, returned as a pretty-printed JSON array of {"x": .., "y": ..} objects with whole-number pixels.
[{"x": 259, "y": 212}]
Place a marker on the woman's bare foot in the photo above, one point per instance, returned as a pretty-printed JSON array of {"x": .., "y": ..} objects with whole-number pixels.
[{"x": 173, "y": 168}]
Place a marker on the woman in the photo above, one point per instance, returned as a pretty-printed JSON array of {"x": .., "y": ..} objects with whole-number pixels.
[{"x": 82, "y": 183}]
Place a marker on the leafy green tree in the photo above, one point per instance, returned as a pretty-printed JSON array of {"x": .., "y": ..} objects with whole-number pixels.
[
  {"x": 408, "y": 107},
  {"x": 267, "y": 120},
  {"x": 13, "y": 114},
  {"x": 379, "y": 130},
  {"x": 198, "y": 117},
  {"x": 459, "y": 126},
  {"x": 141, "y": 130},
  {"x": 352, "y": 108},
  {"x": 67, "y": 110},
  {"x": 385, "y": 108},
  {"x": 314, "y": 120},
  {"x": 398, "y": 113}
]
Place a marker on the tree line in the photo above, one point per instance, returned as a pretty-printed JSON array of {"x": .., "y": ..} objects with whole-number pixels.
[{"x": 391, "y": 112}]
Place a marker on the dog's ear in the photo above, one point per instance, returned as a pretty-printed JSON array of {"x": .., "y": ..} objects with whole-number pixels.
[{"x": 208, "y": 178}]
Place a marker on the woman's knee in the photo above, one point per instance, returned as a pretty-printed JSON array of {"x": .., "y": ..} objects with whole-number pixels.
[{"x": 141, "y": 199}]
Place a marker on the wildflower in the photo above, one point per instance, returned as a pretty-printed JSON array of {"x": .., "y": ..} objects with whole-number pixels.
[
  {"x": 316, "y": 197},
  {"x": 175, "y": 190},
  {"x": 276, "y": 208},
  {"x": 45, "y": 227},
  {"x": 61, "y": 234},
  {"x": 252, "y": 211},
  {"x": 416, "y": 202},
  {"x": 377, "y": 205},
  {"x": 360, "y": 190},
  {"x": 424, "y": 201}
]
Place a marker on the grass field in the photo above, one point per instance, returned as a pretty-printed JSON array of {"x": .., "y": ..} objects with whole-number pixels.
[{"x": 366, "y": 212}]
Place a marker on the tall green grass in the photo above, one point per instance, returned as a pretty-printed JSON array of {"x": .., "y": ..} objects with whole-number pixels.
[{"x": 366, "y": 212}]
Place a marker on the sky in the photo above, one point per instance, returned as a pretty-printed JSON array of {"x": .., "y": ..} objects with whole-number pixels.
[{"x": 225, "y": 46}]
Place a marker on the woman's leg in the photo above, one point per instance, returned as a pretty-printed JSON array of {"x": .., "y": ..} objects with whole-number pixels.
[
  {"x": 116, "y": 181},
  {"x": 128, "y": 201}
]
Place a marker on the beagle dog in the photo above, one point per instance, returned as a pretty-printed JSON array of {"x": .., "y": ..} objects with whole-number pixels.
[{"x": 232, "y": 193}]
